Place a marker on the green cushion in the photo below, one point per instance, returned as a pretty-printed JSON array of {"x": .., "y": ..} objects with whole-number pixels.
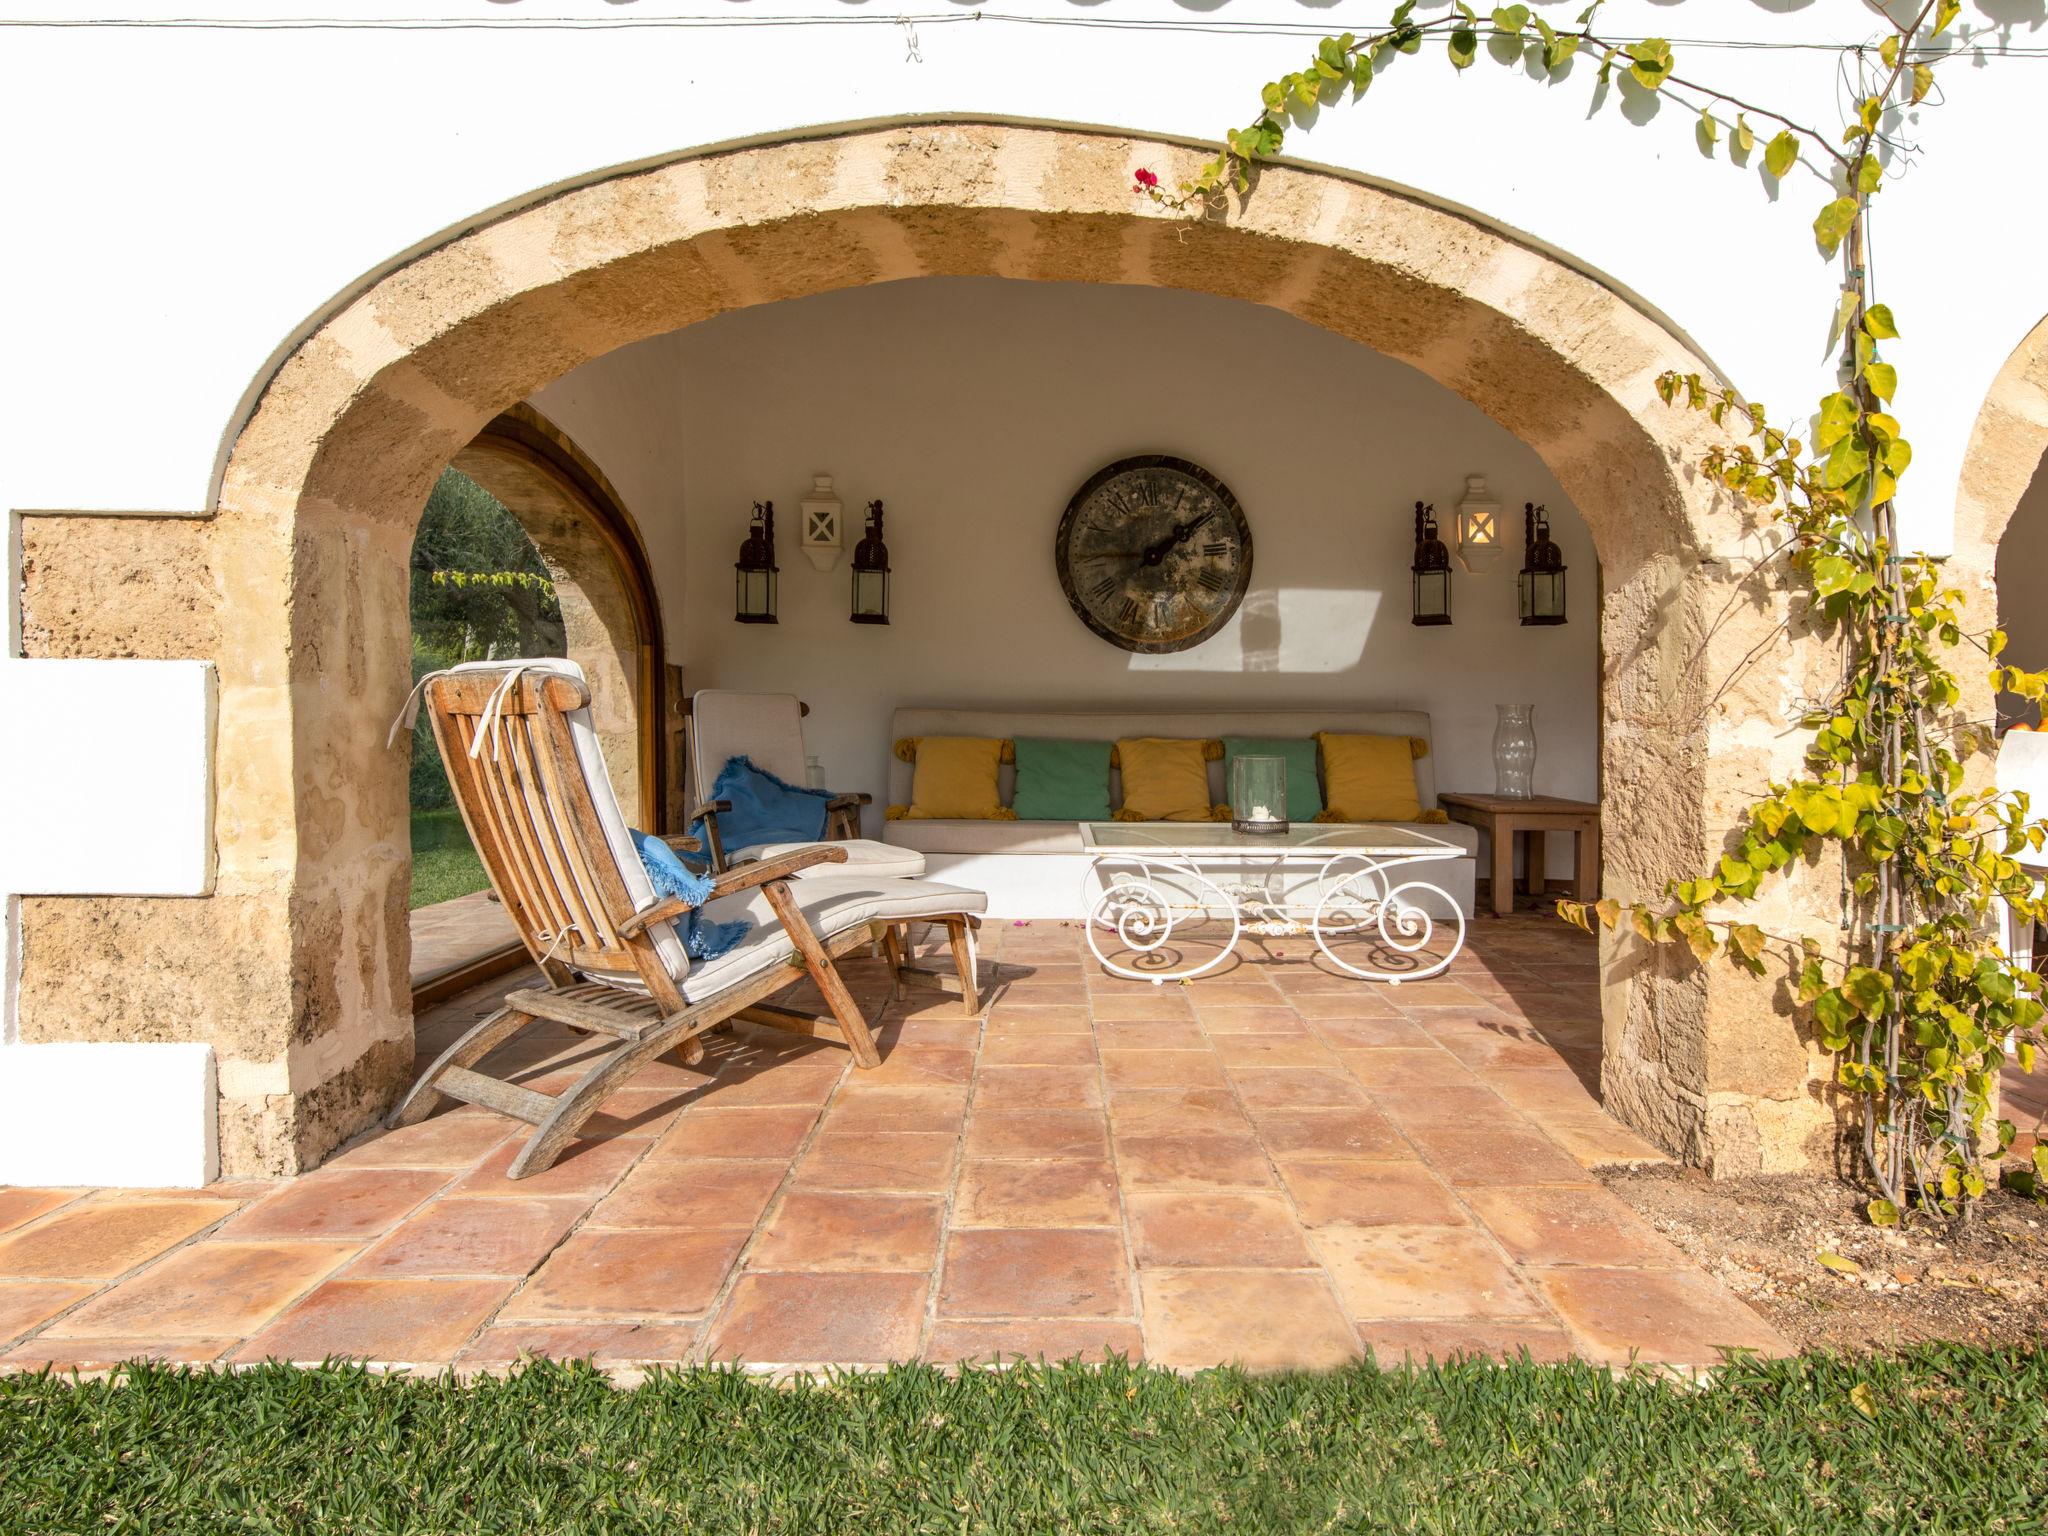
[
  {"x": 1304, "y": 794},
  {"x": 1062, "y": 780}
]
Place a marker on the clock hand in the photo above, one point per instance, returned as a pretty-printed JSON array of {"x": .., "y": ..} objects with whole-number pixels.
[{"x": 1182, "y": 532}]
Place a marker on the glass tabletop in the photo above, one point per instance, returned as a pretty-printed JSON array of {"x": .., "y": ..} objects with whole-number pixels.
[{"x": 1221, "y": 838}]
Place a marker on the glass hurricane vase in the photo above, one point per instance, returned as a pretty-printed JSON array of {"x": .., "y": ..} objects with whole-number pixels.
[{"x": 1514, "y": 751}]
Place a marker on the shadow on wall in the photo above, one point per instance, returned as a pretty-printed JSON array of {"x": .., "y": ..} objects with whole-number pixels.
[{"x": 2023, "y": 593}]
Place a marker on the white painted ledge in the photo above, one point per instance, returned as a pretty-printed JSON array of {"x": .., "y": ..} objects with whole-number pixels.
[
  {"x": 127, "y": 1114},
  {"x": 106, "y": 778}
]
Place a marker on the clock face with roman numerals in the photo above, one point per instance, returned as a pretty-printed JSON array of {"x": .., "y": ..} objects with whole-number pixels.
[{"x": 1154, "y": 554}]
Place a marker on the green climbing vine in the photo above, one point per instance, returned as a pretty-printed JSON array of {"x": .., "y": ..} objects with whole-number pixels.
[{"x": 1919, "y": 1005}]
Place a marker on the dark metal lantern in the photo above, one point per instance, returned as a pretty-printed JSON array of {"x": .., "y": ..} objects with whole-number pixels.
[
  {"x": 871, "y": 572},
  {"x": 1542, "y": 579},
  {"x": 753, "y": 600},
  {"x": 1432, "y": 570}
]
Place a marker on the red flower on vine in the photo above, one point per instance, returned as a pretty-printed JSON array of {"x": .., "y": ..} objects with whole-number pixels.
[{"x": 1147, "y": 182}]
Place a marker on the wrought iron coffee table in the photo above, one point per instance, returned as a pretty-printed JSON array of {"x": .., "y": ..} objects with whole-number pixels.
[{"x": 1147, "y": 879}]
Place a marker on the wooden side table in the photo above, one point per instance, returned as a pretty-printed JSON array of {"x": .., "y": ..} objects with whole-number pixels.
[{"x": 1501, "y": 818}]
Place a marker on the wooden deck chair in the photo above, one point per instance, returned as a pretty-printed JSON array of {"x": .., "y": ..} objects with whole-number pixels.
[
  {"x": 527, "y": 774},
  {"x": 768, "y": 730}
]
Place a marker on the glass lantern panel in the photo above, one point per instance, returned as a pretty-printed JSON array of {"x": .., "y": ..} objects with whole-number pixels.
[
  {"x": 871, "y": 597},
  {"x": 1432, "y": 597}
]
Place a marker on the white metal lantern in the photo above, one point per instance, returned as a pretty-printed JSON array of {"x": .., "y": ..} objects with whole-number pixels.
[
  {"x": 1478, "y": 526},
  {"x": 823, "y": 532}
]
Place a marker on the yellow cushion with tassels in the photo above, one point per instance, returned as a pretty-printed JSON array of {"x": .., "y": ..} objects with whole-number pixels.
[
  {"x": 1370, "y": 778},
  {"x": 1167, "y": 780},
  {"x": 955, "y": 779}
]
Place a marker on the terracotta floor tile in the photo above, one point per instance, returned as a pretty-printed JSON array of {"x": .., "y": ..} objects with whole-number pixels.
[
  {"x": 1215, "y": 1231},
  {"x": 1372, "y": 1034},
  {"x": 457, "y": 1139},
  {"x": 1038, "y": 1051},
  {"x": 905, "y": 1162},
  {"x": 1037, "y": 1133},
  {"x": 1273, "y": 1020},
  {"x": 1065, "y": 1193},
  {"x": 351, "y": 1203},
  {"x": 411, "y": 1321},
  {"x": 1394, "y": 1343},
  {"x": 1374, "y": 1194},
  {"x": 1459, "y": 1101},
  {"x": 105, "y": 1354},
  {"x": 1264, "y": 1320},
  {"x": 1177, "y": 1112},
  {"x": 946, "y": 1031},
  {"x": 819, "y": 1319},
  {"x": 209, "y": 1290},
  {"x": 1392, "y": 1069},
  {"x": 897, "y": 1109},
  {"x": 1051, "y": 1339},
  {"x": 1354, "y": 1132},
  {"x": 1235, "y": 990},
  {"x": 1192, "y": 1162},
  {"x": 1672, "y": 1317},
  {"x": 1152, "y": 1035},
  {"x": 20, "y": 1205},
  {"x": 793, "y": 1085},
  {"x": 1539, "y": 1091},
  {"x": 471, "y": 1238},
  {"x": 105, "y": 1236},
  {"x": 1006, "y": 1018},
  {"x": 831, "y": 1230},
  {"x": 1240, "y": 1053},
  {"x": 1417, "y": 1272},
  {"x": 1321, "y": 981},
  {"x": 1031, "y": 994},
  {"x": 1009, "y": 1089},
  {"x": 676, "y": 1192},
  {"x": 600, "y": 1275},
  {"x": 1367, "y": 1000},
  {"x": 1506, "y": 1154},
  {"x": 601, "y": 1343},
  {"x": 1482, "y": 1050},
  {"x": 1433, "y": 994},
  {"x": 706, "y": 1132},
  {"x": 1296, "y": 1088},
  {"x": 26, "y": 1304},
  {"x": 1138, "y": 1002},
  {"x": 585, "y": 1170},
  {"x": 1596, "y": 1140},
  {"x": 911, "y": 1065},
  {"x": 1124, "y": 1070},
  {"x": 1550, "y": 1225},
  {"x": 1069, "y": 1272}
]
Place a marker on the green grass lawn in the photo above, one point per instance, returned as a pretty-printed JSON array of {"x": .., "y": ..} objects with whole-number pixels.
[
  {"x": 444, "y": 865},
  {"x": 1946, "y": 1439}
]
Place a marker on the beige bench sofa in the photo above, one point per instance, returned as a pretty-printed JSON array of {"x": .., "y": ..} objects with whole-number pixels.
[{"x": 1038, "y": 868}]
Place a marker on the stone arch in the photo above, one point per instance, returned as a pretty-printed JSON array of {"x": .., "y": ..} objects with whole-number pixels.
[
  {"x": 593, "y": 551},
  {"x": 324, "y": 481}
]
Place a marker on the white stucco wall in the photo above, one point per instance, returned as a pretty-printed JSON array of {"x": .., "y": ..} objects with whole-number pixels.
[
  {"x": 975, "y": 408},
  {"x": 227, "y": 184}
]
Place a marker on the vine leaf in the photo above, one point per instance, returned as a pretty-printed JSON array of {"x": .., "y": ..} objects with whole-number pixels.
[
  {"x": 1831, "y": 226},
  {"x": 1781, "y": 154},
  {"x": 1838, "y": 1263}
]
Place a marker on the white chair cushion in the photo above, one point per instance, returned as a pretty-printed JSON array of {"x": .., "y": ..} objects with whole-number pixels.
[
  {"x": 830, "y": 907},
  {"x": 767, "y": 728},
  {"x": 865, "y": 860}
]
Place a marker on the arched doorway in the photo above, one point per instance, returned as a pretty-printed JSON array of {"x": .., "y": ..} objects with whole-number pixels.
[{"x": 322, "y": 483}]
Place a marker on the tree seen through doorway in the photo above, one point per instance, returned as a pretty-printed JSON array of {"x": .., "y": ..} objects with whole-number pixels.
[{"x": 480, "y": 592}]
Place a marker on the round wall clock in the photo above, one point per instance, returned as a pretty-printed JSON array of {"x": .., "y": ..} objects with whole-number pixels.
[{"x": 1154, "y": 554}]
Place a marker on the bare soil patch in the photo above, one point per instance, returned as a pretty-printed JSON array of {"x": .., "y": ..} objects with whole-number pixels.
[{"x": 1764, "y": 1237}]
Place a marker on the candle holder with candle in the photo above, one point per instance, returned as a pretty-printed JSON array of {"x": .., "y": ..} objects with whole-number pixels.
[{"x": 1258, "y": 794}]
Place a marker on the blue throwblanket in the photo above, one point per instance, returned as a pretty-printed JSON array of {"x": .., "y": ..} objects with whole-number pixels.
[
  {"x": 671, "y": 875},
  {"x": 765, "y": 809}
]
